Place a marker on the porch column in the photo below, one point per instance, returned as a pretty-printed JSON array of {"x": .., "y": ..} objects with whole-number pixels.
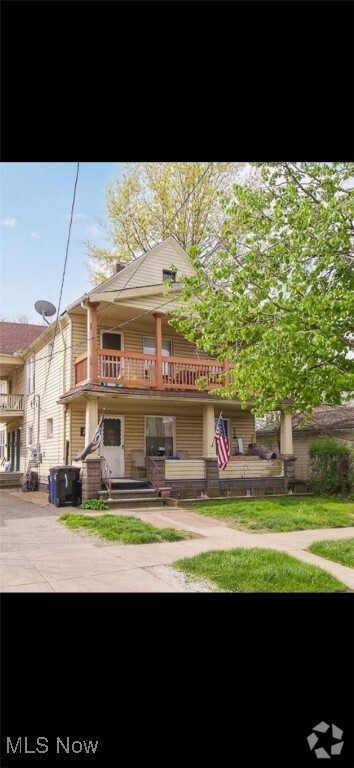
[
  {"x": 209, "y": 446},
  {"x": 158, "y": 346},
  {"x": 92, "y": 371},
  {"x": 286, "y": 435},
  {"x": 91, "y": 421}
]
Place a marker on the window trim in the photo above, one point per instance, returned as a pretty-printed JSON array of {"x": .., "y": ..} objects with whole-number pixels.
[{"x": 116, "y": 333}]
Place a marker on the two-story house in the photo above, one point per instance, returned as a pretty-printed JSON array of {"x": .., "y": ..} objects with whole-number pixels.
[
  {"x": 14, "y": 338},
  {"x": 114, "y": 351}
]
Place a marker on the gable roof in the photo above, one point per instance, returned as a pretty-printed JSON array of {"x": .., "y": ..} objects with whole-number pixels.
[
  {"x": 143, "y": 273},
  {"x": 15, "y": 336}
]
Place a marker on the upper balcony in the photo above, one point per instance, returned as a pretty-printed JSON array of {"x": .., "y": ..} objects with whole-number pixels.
[
  {"x": 10, "y": 406},
  {"x": 131, "y": 369}
]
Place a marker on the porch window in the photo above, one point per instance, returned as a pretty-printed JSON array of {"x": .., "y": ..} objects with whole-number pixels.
[
  {"x": 159, "y": 435},
  {"x": 2, "y": 444},
  {"x": 30, "y": 376},
  {"x": 150, "y": 349}
]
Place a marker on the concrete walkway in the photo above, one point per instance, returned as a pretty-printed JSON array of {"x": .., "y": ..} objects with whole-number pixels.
[{"x": 40, "y": 555}]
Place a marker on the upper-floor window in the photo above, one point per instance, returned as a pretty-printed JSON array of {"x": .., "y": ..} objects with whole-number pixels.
[
  {"x": 150, "y": 346},
  {"x": 30, "y": 376},
  {"x": 168, "y": 274}
]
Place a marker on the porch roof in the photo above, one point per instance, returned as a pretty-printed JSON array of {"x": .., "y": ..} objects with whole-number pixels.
[{"x": 89, "y": 388}]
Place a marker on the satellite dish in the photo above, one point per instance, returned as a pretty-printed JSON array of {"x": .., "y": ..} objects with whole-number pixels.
[{"x": 45, "y": 308}]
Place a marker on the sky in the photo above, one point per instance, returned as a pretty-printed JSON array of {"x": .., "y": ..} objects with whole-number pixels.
[{"x": 36, "y": 201}]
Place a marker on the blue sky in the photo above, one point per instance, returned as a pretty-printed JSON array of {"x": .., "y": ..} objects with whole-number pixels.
[{"x": 36, "y": 202}]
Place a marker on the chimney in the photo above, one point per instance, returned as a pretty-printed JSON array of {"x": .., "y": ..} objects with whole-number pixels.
[{"x": 119, "y": 265}]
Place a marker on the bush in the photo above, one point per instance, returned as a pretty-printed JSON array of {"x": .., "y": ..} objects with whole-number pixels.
[
  {"x": 332, "y": 467},
  {"x": 96, "y": 504}
]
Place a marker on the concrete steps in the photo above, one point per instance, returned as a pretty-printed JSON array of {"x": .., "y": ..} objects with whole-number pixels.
[{"x": 10, "y": 479}]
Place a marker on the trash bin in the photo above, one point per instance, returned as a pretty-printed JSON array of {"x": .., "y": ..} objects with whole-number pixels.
[{"x": 64, "y": 485}]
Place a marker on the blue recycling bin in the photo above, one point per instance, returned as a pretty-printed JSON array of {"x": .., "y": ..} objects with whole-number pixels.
[{"x": 64, "y": 485}]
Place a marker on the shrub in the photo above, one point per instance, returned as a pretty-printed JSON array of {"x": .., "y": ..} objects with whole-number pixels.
[
  {"x": 96, "y": 504},
  {"x": 332, "y": 467}
]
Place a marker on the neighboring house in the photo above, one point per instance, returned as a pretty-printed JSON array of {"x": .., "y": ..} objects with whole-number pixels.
[
  {"x": 326, "y": 421},
  {"x": 114, "y": 351},
  {"x": 14, "y": 337}
]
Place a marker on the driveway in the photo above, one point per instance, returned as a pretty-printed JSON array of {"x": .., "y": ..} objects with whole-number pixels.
[{"x": 38, "y": 554}]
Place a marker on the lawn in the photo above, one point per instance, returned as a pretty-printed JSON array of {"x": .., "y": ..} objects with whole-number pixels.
[
  {"x": 287, "y": 514},
  {"x": 126, "y": 530},
  {"x": 341, "y": 551},
  {"x": 259, "y": 570}
]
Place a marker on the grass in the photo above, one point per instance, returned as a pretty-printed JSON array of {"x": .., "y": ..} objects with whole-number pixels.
[
  {"x": 126, "y": 530},
  {"x": 341, "y": 551},
  {"x": 259, "y": 570},
  {"x": 286, "y": 514}
]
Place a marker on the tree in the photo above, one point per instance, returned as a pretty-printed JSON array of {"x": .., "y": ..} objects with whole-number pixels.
[
  {"x": 277, "y": 301},
  {"x": 155, "y": 200}
]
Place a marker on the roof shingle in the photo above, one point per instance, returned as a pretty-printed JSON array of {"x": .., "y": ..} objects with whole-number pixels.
[{"x": 15, "y": 336}]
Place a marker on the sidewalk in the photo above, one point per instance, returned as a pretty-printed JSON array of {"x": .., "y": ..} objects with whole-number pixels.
[{"x": 40, "y": 555}]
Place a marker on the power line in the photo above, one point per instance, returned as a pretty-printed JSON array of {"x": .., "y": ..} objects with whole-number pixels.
[
  {"x": 63, "y": 277},
  {"x": 140, "y": 259}
]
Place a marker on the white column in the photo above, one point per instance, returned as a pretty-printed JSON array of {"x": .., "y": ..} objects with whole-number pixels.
[
  {"x": 286, "y": 435},
  {"x": 209, "y": 446},
  {"x": 91, "y": 422}
]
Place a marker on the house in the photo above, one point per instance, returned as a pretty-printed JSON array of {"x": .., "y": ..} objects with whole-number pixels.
[
  {"x": 325, "y": 421},
  {"x": 14, "y": 337},
  {"x": 113, "y": 351}
]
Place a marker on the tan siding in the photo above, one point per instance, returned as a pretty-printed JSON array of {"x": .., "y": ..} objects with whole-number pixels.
[
  {"x": 185, "y": 470},
  {"x": 148, "y": 271},
  {"x": 78, "y": 341},
  {"x": 77, "y": 420},
  {"x": 52, "y": 379},
  {"x": 189, "y": 434},
  {"x": 246, "y": 469}
]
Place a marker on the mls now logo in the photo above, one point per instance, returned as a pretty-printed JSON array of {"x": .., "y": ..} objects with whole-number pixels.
[{"x": 336, "y": 746}]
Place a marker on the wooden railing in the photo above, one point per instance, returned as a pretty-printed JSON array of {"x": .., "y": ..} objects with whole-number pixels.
[
  {"x": 137, "y": 370},
  {"x": 81, "y": 368},
  {"x": 11, "y": 402}
]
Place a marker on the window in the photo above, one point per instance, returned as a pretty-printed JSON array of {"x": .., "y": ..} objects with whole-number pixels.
[
  {"x": 159, "y": 435},
  {"x": 50, "y": 348},
  {"x": 167, "y": 274},
  {"x": 2, "y": 444},
  {"x": 49, "y": 427},
  {"x": 30, "y": 376},
  {"x": 150, "y": 347},
  {"x": 110, "y": 340},
  {"x": 29, "y": 435}
]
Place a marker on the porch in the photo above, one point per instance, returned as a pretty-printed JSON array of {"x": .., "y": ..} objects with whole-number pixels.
[
  {"x": 125, "y": 369},
  {"x": 10, "y": 406}
]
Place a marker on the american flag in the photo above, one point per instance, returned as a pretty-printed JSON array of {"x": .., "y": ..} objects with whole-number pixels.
[{"x": 222, "y": 443}]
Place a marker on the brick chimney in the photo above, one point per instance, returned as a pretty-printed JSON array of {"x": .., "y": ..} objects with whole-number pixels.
[{"x": 119, "y": 265}]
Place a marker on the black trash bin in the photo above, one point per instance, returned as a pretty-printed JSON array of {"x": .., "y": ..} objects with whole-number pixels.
[{"x": 64, "y": 485}]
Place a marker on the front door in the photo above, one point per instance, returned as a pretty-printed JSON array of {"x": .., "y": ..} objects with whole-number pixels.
[{"x": 112, "y": 445}]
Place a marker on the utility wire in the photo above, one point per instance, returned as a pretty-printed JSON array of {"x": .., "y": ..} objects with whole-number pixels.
[
  {"x": 63, "y": 277},
  {"x": 140, "y": 259}
]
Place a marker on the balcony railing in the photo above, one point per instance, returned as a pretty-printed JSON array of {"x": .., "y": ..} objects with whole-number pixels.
[
  {"x": 11, "y": 403},
  {"x": 138, "y": 370}
]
